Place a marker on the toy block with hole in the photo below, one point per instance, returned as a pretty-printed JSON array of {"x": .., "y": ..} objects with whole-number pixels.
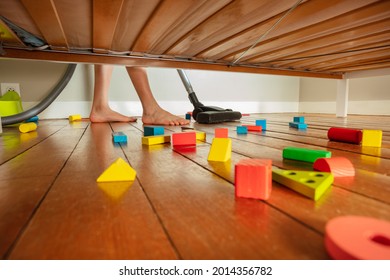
[
  {"x": 299, "y": 119},
  {"x": 73, "y": 118},
  {"x": 154, "y": 140},
  {"x": 153, "y": 130},
  {"x": 346, "y": 135},
  {"x": 303, "y": 154},
  {"x": 242, "y": 130},
  {"x": 221, "y": 150},
  {"x": 253, "y": 178},
  {"x": 118, "y": 171},
  {"x": 221, "y": 132},
  {"x": 200, "y": 135},
  {"x": 308, "y": 183},
  {"x": 253, "y": 127},
  {"x": 372, "y": 138},
  {"x": 338, "y": 166},
  {"x": 119, "y": 137},
  {"x": 27, "y": 127},
  {"x": 184, "y": 139},
  {"x": 297, "y": 125},
  {"x": 262, "y": 123}
]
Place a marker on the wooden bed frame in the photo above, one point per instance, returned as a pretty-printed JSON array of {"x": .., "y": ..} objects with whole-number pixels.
[{"x": 315, "y": 38}]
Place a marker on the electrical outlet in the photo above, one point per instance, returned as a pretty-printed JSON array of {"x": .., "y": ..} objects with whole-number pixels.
[{"x": 5, "y": 87}]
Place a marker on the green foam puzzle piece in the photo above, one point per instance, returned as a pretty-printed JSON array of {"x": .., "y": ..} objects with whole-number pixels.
[
  {"x": 303, "y": 154},
  {"x": 308, "y": 183}
]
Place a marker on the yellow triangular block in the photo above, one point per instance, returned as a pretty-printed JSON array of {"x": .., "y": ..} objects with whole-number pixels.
[
  {"x": 221, "y": 149},
  {"x": 118, "y": 171}
]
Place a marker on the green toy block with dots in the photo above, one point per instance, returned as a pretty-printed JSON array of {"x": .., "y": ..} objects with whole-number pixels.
[
  {"x": 308, "y": 183},
  {"x": 303, "y": 154}
]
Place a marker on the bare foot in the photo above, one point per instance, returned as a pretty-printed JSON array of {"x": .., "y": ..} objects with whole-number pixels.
[
  {"x": 162, "y": 117},
  {"x": 108, "y": 115}
]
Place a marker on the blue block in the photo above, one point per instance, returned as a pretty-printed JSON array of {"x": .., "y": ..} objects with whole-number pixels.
[
  {"x": 298, "y": 125},
  {"x": 262, "y": 123},
  {"x": 188, "y": 116},
  {"x": 299, "y": 119},
  {"x": 153, "y": 130},
  {"x": 32, "y": 119},
  {"x": 242, "y": 130},
  {"x": 119, "y": 137}
]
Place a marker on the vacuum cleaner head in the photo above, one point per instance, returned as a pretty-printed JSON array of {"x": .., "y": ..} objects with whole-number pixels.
[{"x": 212, "y": 114}]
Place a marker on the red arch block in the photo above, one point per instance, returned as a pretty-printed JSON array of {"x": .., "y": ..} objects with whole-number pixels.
[{"x": 338, "y": 166}]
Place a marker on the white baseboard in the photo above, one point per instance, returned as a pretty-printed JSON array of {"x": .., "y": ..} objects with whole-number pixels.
[
  {"x": 366, "y": 107},
  {"x": 63, "y": 109}
]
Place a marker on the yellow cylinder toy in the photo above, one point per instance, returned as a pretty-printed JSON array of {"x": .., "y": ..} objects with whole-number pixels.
[
  {"x": 73, "y": 118},
  {"x": 27, "y": 127}
]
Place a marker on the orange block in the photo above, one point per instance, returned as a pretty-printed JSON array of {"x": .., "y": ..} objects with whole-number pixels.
[
  {"x": 253, "y": 178},
  {"x": 253, "y": 127},
  {"x": 357, "y": 238},
  {"x": 338, "y": 166},
  {"x": 184, "y": 138},
  {"x": 221, "y": 133}
]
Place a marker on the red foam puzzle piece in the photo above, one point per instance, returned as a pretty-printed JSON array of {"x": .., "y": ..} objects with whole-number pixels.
[
  {"x": 347, "y": 135},
  {"x": 338, "y": 166}
]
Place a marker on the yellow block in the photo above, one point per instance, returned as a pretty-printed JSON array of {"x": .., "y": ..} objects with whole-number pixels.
[
  {"x": 156, "y": 139},
  {"x": 221, "y": 149},
  {"x": 200, "y": 135},
  {"x": 27, "y": 127},
  {"x": 372, "y": 138},
  {"x": 118, "y": 171},
  {"x": 73, "y": 118}
]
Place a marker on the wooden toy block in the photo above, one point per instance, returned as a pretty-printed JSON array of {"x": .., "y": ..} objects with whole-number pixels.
[
  {"x": 357, "y": 238},
  {"x": 157, "y": 139},
  {"x": 253, "y": 127},
  {"x": 118, "y": 171},
  {"x": 253, "y": 178},
  {"x": 303, "y": 154},
  {"x": 299, "y": 119},
  {"x": 73, "y": 118},
  {"x": 27, "y": 127},
  {"x": 242, "y": 130},
  {"x": 372, "y": 138},
  {"x": 221, "y": 133},
  {"x": 184, "y": 138},
  {"x": 262, "y": 123},
  {"x": 32, "y": 119},
  {"x": 338, "y": 166},
  {"x": 297, "y": 125},
  {"x": 221, "y": 150},
  {"x": 308, "y": 183},
  {"x": 188, "y": 116},
  {"x": 200, "y": 135},
  {"x": 119, "y": 137},
  {"x": 153, "y": 130},
  {"x": 346, "y": 135}
]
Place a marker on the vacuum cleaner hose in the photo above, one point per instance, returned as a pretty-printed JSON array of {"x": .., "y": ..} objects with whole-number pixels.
[{"x": 17, "y": 118}]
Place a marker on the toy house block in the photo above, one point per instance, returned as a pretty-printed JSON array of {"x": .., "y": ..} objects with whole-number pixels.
[
  {"x": 221, "y": 133},
  {"x": 188, "y": 116},
  {"x": 154, "y": 140},
  {"x": 153, "y": 130},
  {"x": 372, "y": 138},
  {"x": 119, "y": 137},
  {"x": 253, "y": 127},
  {"x": 253, "y": 178},
  {"x": 299, "y": 119},
  {"x": 200, "y": 135},
  {"x": 221, "y": 150},
  {"x": 27, "y": 127},
  {"x": 297, "y": 125},
  {"x": 303, "y": 154},
  {"x": 73, "y": 118},
  {"x": 308, "y": 183},
  {"x": 184, "y": 139},
  {"x": 242, "y": 130},
  {"x": 118, "y": 171},
  {"x": 346, "y": 135},
  {"x": 338, "y": 166},
  {"x": 262, "y": 123}
]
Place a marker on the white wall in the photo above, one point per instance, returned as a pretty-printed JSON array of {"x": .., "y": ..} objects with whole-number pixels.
[{"x": 248, "y": 93}]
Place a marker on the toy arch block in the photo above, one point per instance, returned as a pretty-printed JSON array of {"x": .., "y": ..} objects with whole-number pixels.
[
  {"x": 338, "y": 166},
  {"x": 347, "y": 135},
  {"x": 221, "y": 132},
  {"x": 118, "y": 171},
  {"x": 308, "y": 183},
  {"x": 221, "y": 150},
  {"x": 253, "y": 178},
  {"x": 372, "y": 138}
]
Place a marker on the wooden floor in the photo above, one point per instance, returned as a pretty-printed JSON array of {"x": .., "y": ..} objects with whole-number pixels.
[{"x": 181, "y": 206}]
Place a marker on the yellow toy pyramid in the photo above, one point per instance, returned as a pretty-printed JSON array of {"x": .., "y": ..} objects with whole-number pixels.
[{"x": 118, "y": 171}]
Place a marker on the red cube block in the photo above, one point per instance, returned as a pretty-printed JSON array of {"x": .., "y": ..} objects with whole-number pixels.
[
  {"x": 184, "y": 138},
  {"x": 253, "y": 178},
  {"x": 221, "y": 133}
]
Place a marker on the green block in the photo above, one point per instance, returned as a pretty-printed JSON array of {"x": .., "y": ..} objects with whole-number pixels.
[
  {"x": 308, "y": 183},
  {"x": 303, "y": 154}
]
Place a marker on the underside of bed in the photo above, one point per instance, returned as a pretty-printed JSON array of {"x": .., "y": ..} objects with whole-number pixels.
[{"x": 316, "y": 38}]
